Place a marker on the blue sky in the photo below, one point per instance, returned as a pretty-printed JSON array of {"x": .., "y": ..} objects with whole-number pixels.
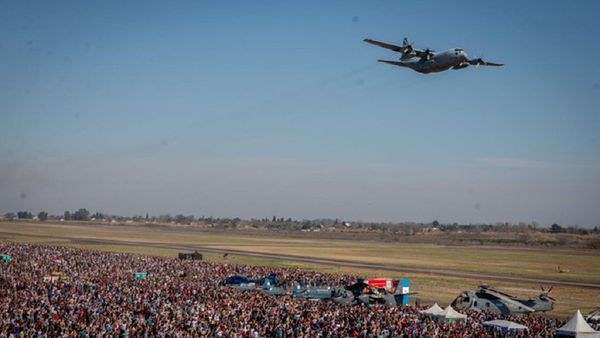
[{"x": 256, "y": 109}]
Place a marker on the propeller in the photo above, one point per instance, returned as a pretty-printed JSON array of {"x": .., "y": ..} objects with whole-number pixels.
[
  {"x": 428, "y": 54},
  {"x": 408, "y": 48},
  {"x": 406, "y": 43}
]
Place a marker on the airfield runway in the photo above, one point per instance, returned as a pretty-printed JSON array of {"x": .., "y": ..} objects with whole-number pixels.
[{"x": 328, "y": 261}]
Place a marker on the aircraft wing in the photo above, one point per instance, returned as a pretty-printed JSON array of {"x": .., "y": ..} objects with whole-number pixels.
[{"x": 395, "y": 48}]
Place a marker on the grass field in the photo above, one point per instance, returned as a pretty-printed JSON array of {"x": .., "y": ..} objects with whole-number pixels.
[{"x": 538, "y": 263}]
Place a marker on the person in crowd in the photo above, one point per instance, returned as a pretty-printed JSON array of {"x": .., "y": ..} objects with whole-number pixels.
[{"x": 95, "y": 294}]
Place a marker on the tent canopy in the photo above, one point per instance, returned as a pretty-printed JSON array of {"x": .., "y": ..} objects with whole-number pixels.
[
  {"x": 505, "y": 325},
  {"x": 435, "y": 310},
  {"x": 577, "y": 327},
  {"x": 451, "y": 314}
]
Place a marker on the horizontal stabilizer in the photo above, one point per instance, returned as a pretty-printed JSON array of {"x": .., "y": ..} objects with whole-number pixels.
[
  {"x": 392, "y": 62},
  {"x": 480, "y": 62}
]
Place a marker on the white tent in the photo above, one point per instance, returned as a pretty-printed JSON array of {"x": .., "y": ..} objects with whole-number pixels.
[
  {"x": 434, "y": 310},
  {"x": 450, "y": 314},
  {"x": 505, "y": 325},
  {"x": 577, "y": 327}
]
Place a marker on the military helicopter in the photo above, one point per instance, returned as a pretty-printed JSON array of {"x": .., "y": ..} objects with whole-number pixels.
[
  {"x": 542, "y": 303},
  {"x": 491, "y": 300},
  {"x": 593, "y": 316}
]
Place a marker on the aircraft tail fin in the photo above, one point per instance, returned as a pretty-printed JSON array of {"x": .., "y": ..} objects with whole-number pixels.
[
  {"x": 271, "y": 277},
  {"x": 398, "y": 290},
  {"x": 403, "y": 290}
]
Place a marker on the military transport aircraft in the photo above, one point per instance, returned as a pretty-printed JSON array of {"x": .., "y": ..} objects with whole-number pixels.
[
  {"x": 428, "y": 61},
  {"x": 311, "y": 292},
  {"x": 492, "y": 300}
]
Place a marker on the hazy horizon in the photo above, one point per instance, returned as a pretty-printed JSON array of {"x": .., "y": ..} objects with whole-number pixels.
[
  {"x": 259, "y": 109},
  {"x": 392, "y": 194}
]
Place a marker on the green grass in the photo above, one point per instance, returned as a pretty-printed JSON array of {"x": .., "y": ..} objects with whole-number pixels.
[
  {"x": 540, "y": 263},
  {"x": 537, "y": 263}
]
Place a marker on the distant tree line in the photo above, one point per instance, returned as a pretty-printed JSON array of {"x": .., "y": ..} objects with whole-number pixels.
[{"x": 289, "y": 224}]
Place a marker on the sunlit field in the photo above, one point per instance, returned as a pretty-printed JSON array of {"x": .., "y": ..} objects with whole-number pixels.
[{"x": 582, "y": 266}]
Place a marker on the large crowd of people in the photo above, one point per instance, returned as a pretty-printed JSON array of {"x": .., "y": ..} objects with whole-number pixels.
[{"x": 50, "y": 291}]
